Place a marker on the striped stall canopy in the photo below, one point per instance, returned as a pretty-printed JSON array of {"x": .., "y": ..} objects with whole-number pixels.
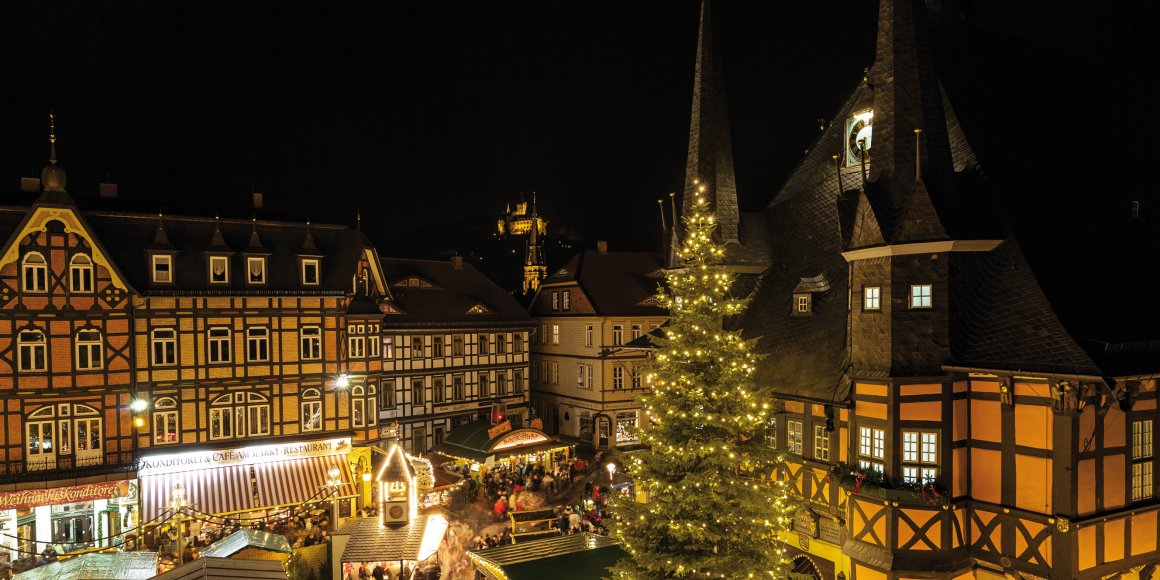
[
  {"x": 299, "y": 480},
  {"x": 213, "y": 491}
]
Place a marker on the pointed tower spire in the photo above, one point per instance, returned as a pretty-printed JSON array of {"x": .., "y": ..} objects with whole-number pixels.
[
  {"x": 53, "y": 178},
  {"x": 255, "y": 245},
  {"x": 907, "y": 96},
  {"x": 710, "y": 160}
]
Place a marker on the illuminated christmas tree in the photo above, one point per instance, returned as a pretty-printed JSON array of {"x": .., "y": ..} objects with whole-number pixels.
[{"x": 711, "y": 506}]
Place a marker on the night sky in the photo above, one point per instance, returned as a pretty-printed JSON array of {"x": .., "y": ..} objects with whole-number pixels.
[{"x": 438, "y": 113}]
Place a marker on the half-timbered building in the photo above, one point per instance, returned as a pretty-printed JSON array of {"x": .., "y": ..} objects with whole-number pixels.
[
  {"x": 455, "y": 350},
  {"x": 946, "y": 416},
  {"x": 241, "y": 360}
]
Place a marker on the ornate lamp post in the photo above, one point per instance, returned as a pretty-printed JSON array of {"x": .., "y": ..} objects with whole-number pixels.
[
  {"x": 611, "y": 467},
  {"x": 178, "y": 501},
  {"x": 334, "y": 482}
]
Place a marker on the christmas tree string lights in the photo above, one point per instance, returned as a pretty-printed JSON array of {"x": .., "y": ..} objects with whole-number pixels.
[{"x": 713, "y": 507}]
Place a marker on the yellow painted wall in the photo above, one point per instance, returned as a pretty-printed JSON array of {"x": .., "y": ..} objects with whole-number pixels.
[
  {"x": 1033, "y": 426},
  {"x": 927, "y": 411},
  {"x": 870, "y": 389},
  {"x": 1086, "y": 486},
  {"x": 1114, "y": 481},
  {"x": 1113, "y": 540},
  {"x": 863, "y": 573},
  {"x": 986, "y": 422},
  {"x": 1087, "y": 547},
  {"x": 1143, "y": 533},
  {"x": 906, "y": 390},
  {"x": 1114, "y": 430},
  {"x": 960, "y": 483},
  {"x": 1033, "y": 483},
  {"x": 960, "y": 420},
  {"x": 986, "y": 475},
  {"x": 872, "y": 410}
]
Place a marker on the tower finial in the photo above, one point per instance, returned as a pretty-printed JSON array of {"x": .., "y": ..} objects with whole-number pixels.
[
  {"x": 358, "y": 219},
  {"x": 52, "y": 136}
]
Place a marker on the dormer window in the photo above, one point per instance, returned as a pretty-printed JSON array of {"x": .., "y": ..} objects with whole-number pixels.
[
  {"x": 872, "y": 298},
  {"x": 802, "y": 304},
  {"x": 920, "y": 297},
  {"x": 219, "y": 269},
  {"x": 255, "y": 270},
  {"x": 311, "y": 271},
  {"x": 162, "y": 269},
  {"x": 566, "y": 300}
]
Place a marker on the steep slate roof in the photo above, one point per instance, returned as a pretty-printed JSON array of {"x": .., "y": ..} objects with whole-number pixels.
[
  {"x": 98, "y": 566},
  {"x": 128, "y": 237},
  {"x": 616, "y": 283},
  {"x": 454, "y": 291},
  {"x": 1000, "y": 318},
  {"x": 571, "y": 557},
  {"x": 281, "y": 242}
]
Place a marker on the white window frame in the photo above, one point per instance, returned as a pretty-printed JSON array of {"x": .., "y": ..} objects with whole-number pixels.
[
  {"x": 355, "y": 344},
  {"x": 802, "y": 302},
  {"x": 618, "y": 378},
  {"x": 165, "y": 346},
  {"x": 821, "y": 443},
  {"x": 438, "y": 390},
  {"x": 418, "y": 392},
  {"x": 794, "y": 436},
  {"x": 457, "y": 388},
  {"x": 80, "y": 274},
  {"x": 872, "y": 448},
  {"x": 587, "y": 335},
  {"x": 220, "y": 345},
  {"x": 89, "y": 352},
  {"x": 1142, "y": 482},
  {"x": 555, "y": 334},
  {"x": 165, "y": 415},
  {"x": 457, "y": 341},
  {"x": 617, "y": 334},
  {"x": 555, "y": 371},
  {"x": 32, "y": 353},
  {"x": 482, "y": 344},
  {"x": 921, "y": 296},
  {"x": 555, "y": 301},
  {"x": 34, "y": 273},
  {"x": 437, "y": 350},
  {"x": 258, "y": 344},
  {"x": 310, "y": 343},
  {"x": 374, "y": 345},
  {"x": 566, "y": 300},
  {"x": 306, "y": 265},
  {"x": 157, "y": 260},
  {"x": 872, "y": 298},
  {"x": 636, "y": 332},
  {"x": 920, "y": 455},
  {"x": 311, "y": 407},
  {"x": 261, "y": 262},
  {"x": 358, "y": 407},
  {"x": 225, "y": 260}
]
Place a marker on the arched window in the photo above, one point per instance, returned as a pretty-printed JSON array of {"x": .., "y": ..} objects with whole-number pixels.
[
  {"x": 239, "y": 415},
  {"x": 34, "y": 273},
  {"x": 311, "y": 410},
  {"x": 358, "y": 407},
  {"x": 32, "y": 351},
  {"x": 80, "y": 274},
  {"x": 165, "y": 421},
  {"x": 90, "y": 350},
  {"x": 70, "y": 433}
]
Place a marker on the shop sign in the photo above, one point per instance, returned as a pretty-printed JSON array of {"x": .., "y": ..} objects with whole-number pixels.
[
  {"x": 179, "y": 462},
  {"x": 499, "y": 429},
  {"x": 519, "y": 438},
  {"x": 59, "y": 495},
  {"x": 537, "y": 424},
  {"x": 830, "y": 531}
]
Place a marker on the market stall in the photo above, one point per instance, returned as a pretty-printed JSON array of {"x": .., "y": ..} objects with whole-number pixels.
[
  {"x": 481, "y": 446},
  {"x": 572, "y": 557}
]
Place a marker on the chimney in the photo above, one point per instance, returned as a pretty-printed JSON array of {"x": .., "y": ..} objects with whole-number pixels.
[
  {"x": 108, "y": 190},
  {"x": 257, "y": 200},
  {"x": 30, "y": 184},
  {"x": 602, "y": 247},
  {"x": 457, "y": 262}
]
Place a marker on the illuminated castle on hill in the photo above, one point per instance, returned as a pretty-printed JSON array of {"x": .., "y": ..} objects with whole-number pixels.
[{"x": 520, "y": 223}]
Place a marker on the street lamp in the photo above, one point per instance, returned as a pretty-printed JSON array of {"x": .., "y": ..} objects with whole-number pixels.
[
  {"x": 334, "y": 482},
  {"x": 342, "y": 381},
  {"x": 178, "y": 501},
  {"x": 611, "y": 467}
]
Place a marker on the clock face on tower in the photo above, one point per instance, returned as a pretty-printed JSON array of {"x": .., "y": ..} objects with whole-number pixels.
[{"x": 858, "y": 133}]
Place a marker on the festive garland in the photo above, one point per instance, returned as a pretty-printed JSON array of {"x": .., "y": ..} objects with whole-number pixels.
[{"x": 858, "y": 480}]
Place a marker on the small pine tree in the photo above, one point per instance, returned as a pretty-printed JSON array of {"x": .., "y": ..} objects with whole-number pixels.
[{"x": 711, "y": 507}]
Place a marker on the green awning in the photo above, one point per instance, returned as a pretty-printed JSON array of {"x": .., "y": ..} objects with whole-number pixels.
[
  {"x": 474, "y": 441},
  {"x": 572, "y": 557}
]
